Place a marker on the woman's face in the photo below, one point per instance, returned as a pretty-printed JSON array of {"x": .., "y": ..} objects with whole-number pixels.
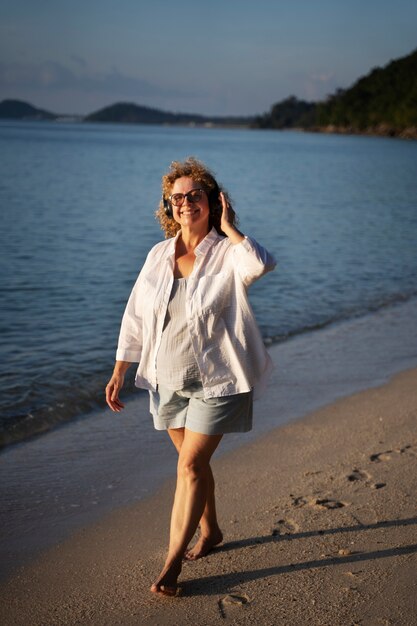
[{"x": 191, "y": 214}]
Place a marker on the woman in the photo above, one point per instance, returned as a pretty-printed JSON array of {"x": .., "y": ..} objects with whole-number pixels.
[{"x": 189, "y": 325}]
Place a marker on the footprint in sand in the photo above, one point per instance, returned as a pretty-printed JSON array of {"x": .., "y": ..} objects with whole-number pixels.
[
  {"x": 386, "y": 456},
  {"x": 381, "y": 456},
  {"x": 325, "y": 503},
  {"x": 358, "y": 475},
  {"x": 409, "y": 449},
  {"x": 319, "y": 503},
  {"x": 284, "y": 527},
  {"x": 232, "y": 600},
  {"x": 298, "y": 501}
]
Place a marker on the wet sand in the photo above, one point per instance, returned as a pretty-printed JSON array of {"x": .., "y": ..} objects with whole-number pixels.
[{"x": 319, "y": 518}]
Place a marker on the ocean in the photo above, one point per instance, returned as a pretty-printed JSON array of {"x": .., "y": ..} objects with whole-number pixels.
[{"x": 78, "y": 201}]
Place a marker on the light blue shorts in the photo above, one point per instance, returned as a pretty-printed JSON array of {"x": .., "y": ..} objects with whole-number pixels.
[{"x": 187, "y": 408}]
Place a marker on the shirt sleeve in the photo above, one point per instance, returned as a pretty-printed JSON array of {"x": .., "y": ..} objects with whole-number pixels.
[
  {"x": 129, "y": 347},
  {"x": 130, "y": 343},
  {"x": 252, "y": 260}
]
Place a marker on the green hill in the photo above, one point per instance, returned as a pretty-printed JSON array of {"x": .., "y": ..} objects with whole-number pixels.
[
  {"x": 290, "y": 113},
  {"x": 386, "y": 97},
  {"x": 130, "y": 113},
  {"x": 382, "y": 102},
  {"x": 18, "y": 110}
]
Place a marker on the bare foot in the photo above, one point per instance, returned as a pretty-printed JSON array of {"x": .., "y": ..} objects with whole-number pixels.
[
  {"x": 166, "y": 584},
  {"x": 204, "y": 545}
]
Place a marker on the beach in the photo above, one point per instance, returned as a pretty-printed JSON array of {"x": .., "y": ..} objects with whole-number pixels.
[
  {"x": 316, "y": 502},
  {"x": 319, "y": 517}
]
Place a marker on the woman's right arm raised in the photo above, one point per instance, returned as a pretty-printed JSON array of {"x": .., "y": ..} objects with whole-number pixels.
[{"x": 115, "y": 385}]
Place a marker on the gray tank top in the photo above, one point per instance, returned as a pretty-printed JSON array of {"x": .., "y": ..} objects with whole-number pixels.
[{"x": 176, "y": 365}]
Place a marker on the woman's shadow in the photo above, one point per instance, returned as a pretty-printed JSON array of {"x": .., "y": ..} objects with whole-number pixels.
[{"x": 222, "y": 583}]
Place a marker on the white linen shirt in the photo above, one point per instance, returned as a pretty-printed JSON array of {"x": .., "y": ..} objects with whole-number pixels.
[{"x": 227, "y": 343}]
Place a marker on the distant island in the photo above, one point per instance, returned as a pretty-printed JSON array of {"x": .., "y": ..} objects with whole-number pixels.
[
  {"x": 122, "y": 113},
  {"x": 18, "y": 110},
  {"x": 384, "y": 102},
  {"x": 129, "y": 113}
]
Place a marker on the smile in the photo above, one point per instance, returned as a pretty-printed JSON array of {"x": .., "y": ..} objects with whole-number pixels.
[{"x": 190, "y": 211}]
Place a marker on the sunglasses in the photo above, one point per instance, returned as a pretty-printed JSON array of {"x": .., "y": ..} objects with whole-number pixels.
[{"x": 195, "y": 195}]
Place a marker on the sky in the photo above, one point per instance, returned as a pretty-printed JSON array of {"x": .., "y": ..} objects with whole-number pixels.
[{"x": 217, "y": 57}]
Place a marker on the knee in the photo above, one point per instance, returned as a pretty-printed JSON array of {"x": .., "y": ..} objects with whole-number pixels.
[{"x": 192, "y": 470}]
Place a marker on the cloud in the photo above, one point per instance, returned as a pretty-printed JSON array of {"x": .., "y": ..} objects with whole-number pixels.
[
  {"x": 79, "y": 61},
  {"x": 52, "y": 76}
]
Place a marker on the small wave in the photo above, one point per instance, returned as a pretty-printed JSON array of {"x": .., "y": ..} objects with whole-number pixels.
[
  {"x": 67, "y": 405},
  {"x": 16, "y": 428},
  {"x": 348, "y": 314}
]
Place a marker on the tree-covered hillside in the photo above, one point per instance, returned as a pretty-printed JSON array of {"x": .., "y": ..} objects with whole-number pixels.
[
  {"x": 290, "y": 113},
  {"x": 383, "y": 102},
  {"x": 130, "y": 113},
  {"x": 18, "y": 110},
  {"x": 386, "y": 96}
]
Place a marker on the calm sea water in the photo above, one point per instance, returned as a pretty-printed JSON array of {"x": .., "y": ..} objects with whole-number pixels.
[{"x": 78, "y": 202}]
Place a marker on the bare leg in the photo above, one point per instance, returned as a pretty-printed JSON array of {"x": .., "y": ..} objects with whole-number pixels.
[
  {"x": 210, "y": 533},
  {"x": 189, "y": 504}
]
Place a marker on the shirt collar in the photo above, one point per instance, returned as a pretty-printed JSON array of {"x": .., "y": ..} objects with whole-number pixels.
[
  {"x": 208, "y": 241},
  {"x": 204, "y": 245}
]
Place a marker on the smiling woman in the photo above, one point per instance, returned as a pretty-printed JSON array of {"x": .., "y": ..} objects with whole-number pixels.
[
  {"x": 201, "y": 179},
  {"x": 189, "y": 325}
]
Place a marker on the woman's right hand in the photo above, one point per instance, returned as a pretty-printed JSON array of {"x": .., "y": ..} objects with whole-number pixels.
[{"x": 113, "y": 387}]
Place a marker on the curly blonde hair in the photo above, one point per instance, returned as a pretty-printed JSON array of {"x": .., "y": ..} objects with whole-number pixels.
[{"x": 197, "y": 171}]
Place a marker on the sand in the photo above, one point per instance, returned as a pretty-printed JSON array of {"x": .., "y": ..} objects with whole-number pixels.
[{"x": 319, "y": 518}]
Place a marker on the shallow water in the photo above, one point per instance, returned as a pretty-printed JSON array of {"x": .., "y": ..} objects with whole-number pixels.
[{"x": 339, "y": 213}]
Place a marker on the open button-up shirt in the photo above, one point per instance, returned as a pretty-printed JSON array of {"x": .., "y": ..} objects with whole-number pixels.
[{"x": 227, "y": 343}]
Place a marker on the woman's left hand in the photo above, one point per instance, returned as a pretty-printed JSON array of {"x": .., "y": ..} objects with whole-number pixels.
[
  {"x": 227, "y": 213},
  {"x": 226, "y": 223}
]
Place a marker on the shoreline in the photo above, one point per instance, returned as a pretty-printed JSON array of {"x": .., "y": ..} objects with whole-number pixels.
[
  {"x": 319, "y": 519},
  {"x": 21, "y": 434},
  {"x": 380, "y": 130},
  {"x": 77, "y": 474}
]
